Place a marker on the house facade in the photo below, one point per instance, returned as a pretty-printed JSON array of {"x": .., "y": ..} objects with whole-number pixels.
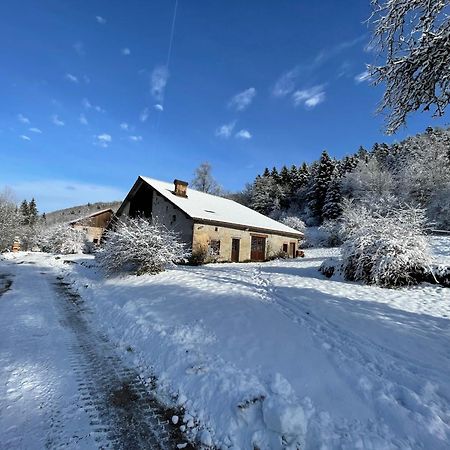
[
  {"x": 227, "y": 230},
  {"x": 94, "y": 225}
]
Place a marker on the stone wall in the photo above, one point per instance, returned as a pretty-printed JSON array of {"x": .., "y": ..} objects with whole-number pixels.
[{"x": 205, "y": 233}]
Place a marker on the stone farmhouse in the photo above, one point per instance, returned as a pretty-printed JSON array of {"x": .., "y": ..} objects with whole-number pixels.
[
  {"x": 94, "y": 224},
  {"x": 231, "y": 231}
]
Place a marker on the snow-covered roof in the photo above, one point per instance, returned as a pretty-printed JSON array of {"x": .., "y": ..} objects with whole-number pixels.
[{"x": 206, "y": 207}]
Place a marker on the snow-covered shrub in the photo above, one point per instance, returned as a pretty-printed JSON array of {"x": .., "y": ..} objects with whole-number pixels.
[
  {"x": 439, "y": 208},
  {"x": 388, "y": 250},
  {"x": 140, "y": 245},
  {"x": 294, "y": 222},
  {"x": 314, "y": 237},
  {"x": 331, "y": 233},
  {"x": 9, "y": 220},
  {"x": 329, "y": 267},
  {"x": 62, "y": 239}
]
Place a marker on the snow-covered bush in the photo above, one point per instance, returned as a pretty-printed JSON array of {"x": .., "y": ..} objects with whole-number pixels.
[
  {"x": 62, "y": 239},
  {"x": 9, "y": 220},
  {"x": 331, "y": 233},
  {"x": 388, "y": 250},
  {"x": 140, "y": 245},
  {"x": 314, "y": 237},
  {"x": 439, "y": 208},
  {"x": 294, "y": 222}
]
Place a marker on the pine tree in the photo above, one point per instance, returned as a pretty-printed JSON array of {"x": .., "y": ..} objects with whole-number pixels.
[
  {"x": 285, "y": 176},
  {"x": 32, "y": 212},
  {"x": 275, "y": 175},
  {"x": 332, "y": 208},
  {"x": 24, "y": 212},
  {"x": 266, "y": 172},
  {"x": 304, "y": 173},
  {"x": 319, "y": 185},
  {"x": 261, "y": 199},
  {"x": 362, "y": 154}
]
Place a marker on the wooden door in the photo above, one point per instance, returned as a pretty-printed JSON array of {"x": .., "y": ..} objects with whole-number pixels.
[
  {"x": 292, "y": 249},
  {"x": 235, "y": 247},
  {"x": 258, "y": 250}
]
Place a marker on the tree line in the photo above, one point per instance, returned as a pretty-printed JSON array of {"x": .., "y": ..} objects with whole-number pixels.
[{"x": 415, "y": 171}]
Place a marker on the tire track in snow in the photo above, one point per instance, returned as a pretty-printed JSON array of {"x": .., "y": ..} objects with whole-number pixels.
[
  {"x": 123, "y": 413},
  {"x": 5, "y": 283}
]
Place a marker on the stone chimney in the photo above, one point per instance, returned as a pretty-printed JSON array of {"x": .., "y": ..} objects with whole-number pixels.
[{"x": 180, "y": 188}]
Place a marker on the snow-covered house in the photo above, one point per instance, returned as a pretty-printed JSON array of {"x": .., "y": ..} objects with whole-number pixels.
[
  {"x": 231, "y": 231},
  {"x": 94, "y": 224}
]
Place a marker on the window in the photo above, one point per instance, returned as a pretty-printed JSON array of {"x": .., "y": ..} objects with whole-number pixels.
[
  {"x": 174, "y": 219},
  {"x": 214, "y": 248},
  {"x": 285, "y": 248},
  {"x": 95, "y": 241}
]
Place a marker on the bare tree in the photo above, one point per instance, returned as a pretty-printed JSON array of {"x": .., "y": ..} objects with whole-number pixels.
[
  {"x": 203, "y": 180},
  {"x": 414, "y": 38},
  {"x": 9, "y": 219}
]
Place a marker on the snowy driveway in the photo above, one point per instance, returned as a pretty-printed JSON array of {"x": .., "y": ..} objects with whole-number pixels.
[
  {"x": 270, "y": 356},
  {"x": 61, "y": 381}
]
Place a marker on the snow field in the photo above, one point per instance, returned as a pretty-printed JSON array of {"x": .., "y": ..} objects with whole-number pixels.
[{"x": 274, "y": 355}]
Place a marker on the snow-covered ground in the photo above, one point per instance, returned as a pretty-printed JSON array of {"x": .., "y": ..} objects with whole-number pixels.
[{"x": 274, "y": 355}]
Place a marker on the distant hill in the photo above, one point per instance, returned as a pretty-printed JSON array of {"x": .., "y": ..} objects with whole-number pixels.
[{"x": 76, "y": 212}]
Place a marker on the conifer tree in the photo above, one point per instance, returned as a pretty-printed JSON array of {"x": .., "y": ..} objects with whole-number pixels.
[
  {"x": 24, "y": 212},
  {"x": 319, "y": 185},
  {"x": 32, "y": 212},
  {"x": 332, "y": 207}
]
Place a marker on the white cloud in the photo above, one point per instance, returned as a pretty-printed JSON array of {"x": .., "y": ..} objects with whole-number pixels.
[
  {"x": 363, "y": 76},
  {"x": 158, "y": 107},
  {"x": 309, "y": 97},
  {"x": 25, "y": 138},
  {"x": 86, "y": 79},
  {"x": 242, "y": 100},
  {"x": 79, "y": 48},
  {"x": 124, "y": 126},
  {"x": 57, "y": 121},
  {"x": 70, "y": 77},
  {"x": 125, "y": 51},
  {"x": 52, "y": 194},
  {"x": 86, "y": 103},
  {"x": 35, "y": 130},
  {"x": 103, "y": 140},
  {"x": 159, "y": 79},
  {"x": 286, "y": 83},
  {"x": 83, "y": 119},
  {"x": 135, "y": 138},
  {"x": 101, "y": 20},
  {"x": 225, "y": 130},
  {"x": 22, "y": 118},
  {"x": 144, "y": 115},
  {"x": 243, "y": 134}
]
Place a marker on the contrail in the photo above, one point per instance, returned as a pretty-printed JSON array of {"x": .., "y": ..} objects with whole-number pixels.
[
  {"x": 172, "y": 32},
  {"x": 169, "y": 54}
]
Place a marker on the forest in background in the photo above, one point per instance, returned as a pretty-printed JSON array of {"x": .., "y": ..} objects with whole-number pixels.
[{"x": 413, "y": 172}]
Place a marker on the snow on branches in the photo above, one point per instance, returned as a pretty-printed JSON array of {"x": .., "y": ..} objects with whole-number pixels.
[
  {"x": 413, "y": 36},
  {"x": 388, "y": 250},
  {"x": 62, "y": 239},
  {"x": 140, "y": 245}
]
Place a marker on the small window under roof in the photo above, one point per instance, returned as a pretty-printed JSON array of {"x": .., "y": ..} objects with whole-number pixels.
[{"x": 209, "y": 211}]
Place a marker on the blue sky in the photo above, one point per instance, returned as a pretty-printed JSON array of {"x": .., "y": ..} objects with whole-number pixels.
[{"x": 88, "y": 104}]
